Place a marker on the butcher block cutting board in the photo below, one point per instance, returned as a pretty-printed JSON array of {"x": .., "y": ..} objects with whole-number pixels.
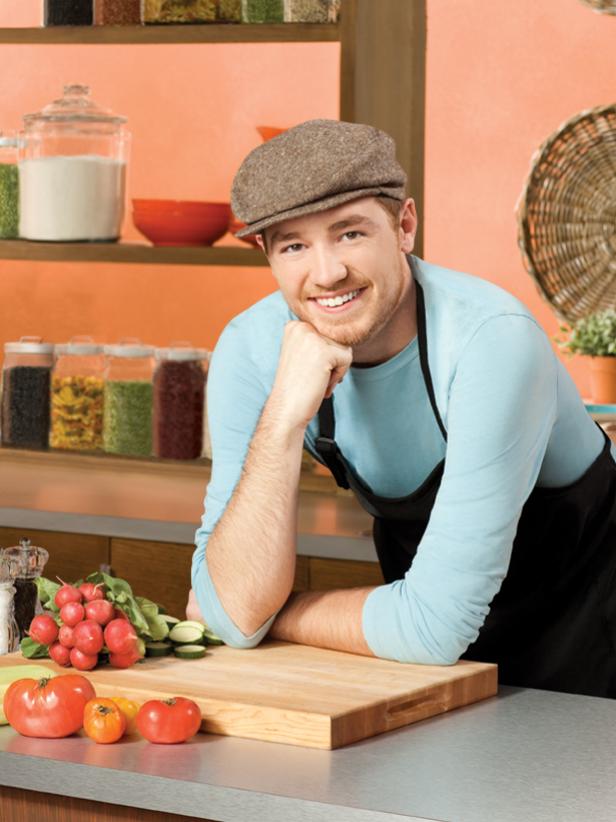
[{"x": 282, "y": 692}]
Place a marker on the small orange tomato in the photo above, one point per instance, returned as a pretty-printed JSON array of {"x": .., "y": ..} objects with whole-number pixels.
[
  {"x": 130, "y": 710},
  {"x": 103, "y": 721}
]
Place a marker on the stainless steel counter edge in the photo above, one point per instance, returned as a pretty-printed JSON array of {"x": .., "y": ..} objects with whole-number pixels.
[
  {"x": 173, "y": 795},
  {"x": 313, "y": 545}
]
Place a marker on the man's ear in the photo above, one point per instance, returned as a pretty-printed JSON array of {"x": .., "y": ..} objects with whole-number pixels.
[
  {"x": 408, "y": 226},
  {"x": 261, "y": 242}
]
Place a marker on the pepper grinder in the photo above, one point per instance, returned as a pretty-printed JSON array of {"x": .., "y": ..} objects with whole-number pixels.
[
  {"x": 9, "y": 632},
  {"x": 29, "y": 561}
]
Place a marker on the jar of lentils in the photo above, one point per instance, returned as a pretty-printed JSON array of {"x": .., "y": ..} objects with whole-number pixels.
[
  {"x": 179, "y": 395},
  {"x": 77, "y": 383},
  {"x": 128, "y": 398},
  {"x": 26, "y": 378}
]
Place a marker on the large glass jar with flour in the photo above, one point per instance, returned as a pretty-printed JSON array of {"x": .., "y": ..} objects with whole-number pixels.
[{"x": 72, "y": 171}]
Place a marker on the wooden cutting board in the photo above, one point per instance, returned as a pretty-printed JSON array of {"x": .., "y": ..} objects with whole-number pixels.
[{"x": 282, "y": 692}]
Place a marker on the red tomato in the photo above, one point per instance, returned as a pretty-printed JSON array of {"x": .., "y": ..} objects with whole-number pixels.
[
  {"x": 48, "y": 708},
  {"x": 103, "y": 720},
  {"x": 167, "y": 721}
]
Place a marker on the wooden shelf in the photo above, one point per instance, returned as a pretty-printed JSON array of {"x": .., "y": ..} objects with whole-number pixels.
[
  {"x": 131, "y": 253},
  {"x": 144, "y": 35}
]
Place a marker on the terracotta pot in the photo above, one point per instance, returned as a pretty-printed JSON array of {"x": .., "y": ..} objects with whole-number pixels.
[{"x": 603, "y": 379}]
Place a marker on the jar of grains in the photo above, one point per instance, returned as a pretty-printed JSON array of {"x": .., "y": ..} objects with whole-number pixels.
[
  {"x": 263, "y": 11},
  {"x": 29, "y": 563},
  {"x": 179, "y": 394},
  {"x": 128, "y": 398},
  {"x": 9, "y": 187},
  {"x": 26, "y": 377},
  {"x": 117, "y": 12},
  {"x": 77, "y": 396},
  {"x": 311, "y": 11}
]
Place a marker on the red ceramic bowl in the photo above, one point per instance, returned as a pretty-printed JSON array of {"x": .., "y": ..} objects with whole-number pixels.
[
  {"x": 267, "y": 132},
  {"x": 181, "y": 222},
  {"x": 238, "y": 225}
]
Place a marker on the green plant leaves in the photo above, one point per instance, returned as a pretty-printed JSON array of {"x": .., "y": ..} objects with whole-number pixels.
[
  {"x": 33, "y": 650},
  {"x": 592, "y": 336}
]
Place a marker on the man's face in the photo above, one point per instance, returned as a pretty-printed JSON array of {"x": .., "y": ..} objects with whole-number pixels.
[{"x": 343, "y": 270}]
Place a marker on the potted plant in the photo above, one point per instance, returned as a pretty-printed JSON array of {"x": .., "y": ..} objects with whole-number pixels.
[{"x": 594, "y": 336}]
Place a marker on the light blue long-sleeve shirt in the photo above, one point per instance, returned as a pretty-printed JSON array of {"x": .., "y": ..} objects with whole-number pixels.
[{"x": 513, "y": 417}]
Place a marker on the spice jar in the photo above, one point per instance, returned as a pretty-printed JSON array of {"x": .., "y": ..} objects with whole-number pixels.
[
  {"x": 128, "y": 398},
  {"x": 9, "y": 633},
  {"x": 179, "y": 394},
  {"x": 26, "y": 376},
  {"x": 179, "y": 11},
  {"x": 262, "y": 11},
  {"x": 68, "y": 12},
  {"x": 311, "y": 11},
  {"x": 9, "y": 187},
  {"x": 72, "y": 171},
  {"x": 28, "y": 563},
  {"x": 117, "y": 12},
  {"x": 77, "y": 382}
]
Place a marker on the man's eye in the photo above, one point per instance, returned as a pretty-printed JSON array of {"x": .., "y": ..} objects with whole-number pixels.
[
  {"x": 352, "y": 235},
  {"x": 293, "y": 247}
]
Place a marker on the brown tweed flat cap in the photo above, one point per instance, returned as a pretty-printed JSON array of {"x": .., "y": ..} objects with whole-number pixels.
[{"x": 314, "y": 166}]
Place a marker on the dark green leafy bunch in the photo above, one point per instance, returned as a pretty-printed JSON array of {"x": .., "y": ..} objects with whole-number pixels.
[
  {"x": 592, "y": 336},
  {"x": 145, "y": 615}
]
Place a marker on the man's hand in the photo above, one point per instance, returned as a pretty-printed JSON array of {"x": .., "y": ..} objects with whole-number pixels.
[
  {"x": 309, "y": 369},
  {"x": 192, "y": 608}
]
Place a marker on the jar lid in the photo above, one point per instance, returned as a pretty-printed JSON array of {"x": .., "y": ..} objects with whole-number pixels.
[
  {"x": 74, "y": 105},
  {"x": 27, "y": 560},
  {"x": 182, "y": 352},
  {"x": 29, "y": 345},
  {"x": 80, "y": 346},
  {"x": 129, "y": 347},
  {"x": 8, "y": 139}
]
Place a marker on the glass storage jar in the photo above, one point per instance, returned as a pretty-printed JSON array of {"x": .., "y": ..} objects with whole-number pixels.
[
  {"x": 72, "y": 171},
  {"x": 117, "y": 12},
  {"x": 180, "y": 11},
  {"x": 311, "y": 11},
  {"x": 128, "y": 398},
  {"x": 9, "y": 187},
  {"x": 77, "y": 382},
  {"x": 29, "y": 561},
  {"x": 26, "y": 379},
  {"x": 68, "y": 12},
  {"x": 9, "y": 633},
  {"x": 179, "y": 395}
]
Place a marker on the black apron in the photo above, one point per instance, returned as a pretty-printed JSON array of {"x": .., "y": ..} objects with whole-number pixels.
[{"x": 552, "y": 625}]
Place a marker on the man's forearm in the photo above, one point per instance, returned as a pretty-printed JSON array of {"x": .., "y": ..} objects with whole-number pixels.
[
  {"x": 251, "y": 553},
  {"x": 327, "y": 619}
]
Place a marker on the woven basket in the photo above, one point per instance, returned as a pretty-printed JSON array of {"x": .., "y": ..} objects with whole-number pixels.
[
  {"x": 567, "y": 215},
  {"x": 602, "y": 6}
]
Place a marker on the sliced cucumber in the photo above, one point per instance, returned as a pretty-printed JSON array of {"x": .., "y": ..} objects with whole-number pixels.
[
  {"x": 187, "y": 633},
  {"x": 194, "y": 623},
  {"x": 211, "y": 638},
  {"x": 158, "y": 648},
  {"x": 170, "y": 620},
  {"x": 189, "y": 651}
]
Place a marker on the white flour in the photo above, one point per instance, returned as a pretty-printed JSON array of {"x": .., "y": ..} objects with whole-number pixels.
[{"x": 71, "y": 198}]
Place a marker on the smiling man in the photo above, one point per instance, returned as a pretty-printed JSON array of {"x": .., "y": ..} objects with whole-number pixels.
[{"x": 436, "y": 397}]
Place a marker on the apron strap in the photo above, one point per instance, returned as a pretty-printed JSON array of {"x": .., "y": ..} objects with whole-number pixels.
[
  {"x": 423, "y": 354},
  {"x": 325, "y": 443}
]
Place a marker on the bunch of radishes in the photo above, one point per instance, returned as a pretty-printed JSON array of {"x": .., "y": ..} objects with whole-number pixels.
[{"x": 87, "y": 626}]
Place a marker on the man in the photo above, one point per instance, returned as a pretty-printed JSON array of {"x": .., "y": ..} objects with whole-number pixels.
[{"x": 437, "y": 398}]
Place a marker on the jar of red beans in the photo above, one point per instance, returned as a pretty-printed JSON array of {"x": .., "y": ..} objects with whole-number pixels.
[{"x": 179, "y": 393}]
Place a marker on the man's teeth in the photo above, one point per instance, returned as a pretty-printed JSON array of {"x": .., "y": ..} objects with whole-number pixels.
[{"x": 331, "y": 302}]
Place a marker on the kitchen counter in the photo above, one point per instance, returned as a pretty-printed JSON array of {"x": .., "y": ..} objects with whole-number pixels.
[{"x": 528, "y": 755}]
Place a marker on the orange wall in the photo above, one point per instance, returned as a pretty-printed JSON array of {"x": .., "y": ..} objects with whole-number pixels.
[{"x": 501, "y": 78}]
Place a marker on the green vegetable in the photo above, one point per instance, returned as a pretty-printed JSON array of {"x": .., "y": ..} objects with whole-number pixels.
[
  {"x": 187, "y": 633},
  {"x": 190, "y": 651},
  {"x": 158, "y": 648},
  {"x": 593, "y": 336},
  {"x": 33, "y": 650},
  {"x": 47, "y": 590}
]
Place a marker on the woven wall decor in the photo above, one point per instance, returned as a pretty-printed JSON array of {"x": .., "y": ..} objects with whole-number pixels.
[
  {"x": 567, "y": 215},
  {"x": 602, "y": 6}
]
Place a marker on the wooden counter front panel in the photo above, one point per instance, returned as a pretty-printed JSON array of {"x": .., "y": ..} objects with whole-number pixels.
[
  {"x": 327, "y": 574},
  {"x": 71, "y": 556}
]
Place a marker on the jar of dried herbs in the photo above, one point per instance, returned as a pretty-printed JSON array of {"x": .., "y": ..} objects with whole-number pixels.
[
  {"x": 28, "y": 562},
  {"x": 263, "y": 11},
  {"x": 311, "y": 11},
  {"x": 179, "y": 395},
  {"x": 26, "y": 376},
  {"x": 128, "y": 398},
  {"x": 77, "y": 382},
  {"x": 68, "y": 12},
  {"x": 117, "y": 12},
  {"x": 179, "y": 11},
  {"x": 9, "y": 187}
]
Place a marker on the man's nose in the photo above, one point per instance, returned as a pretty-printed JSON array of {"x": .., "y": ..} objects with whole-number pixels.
[{"x": 327, "y": 267}]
